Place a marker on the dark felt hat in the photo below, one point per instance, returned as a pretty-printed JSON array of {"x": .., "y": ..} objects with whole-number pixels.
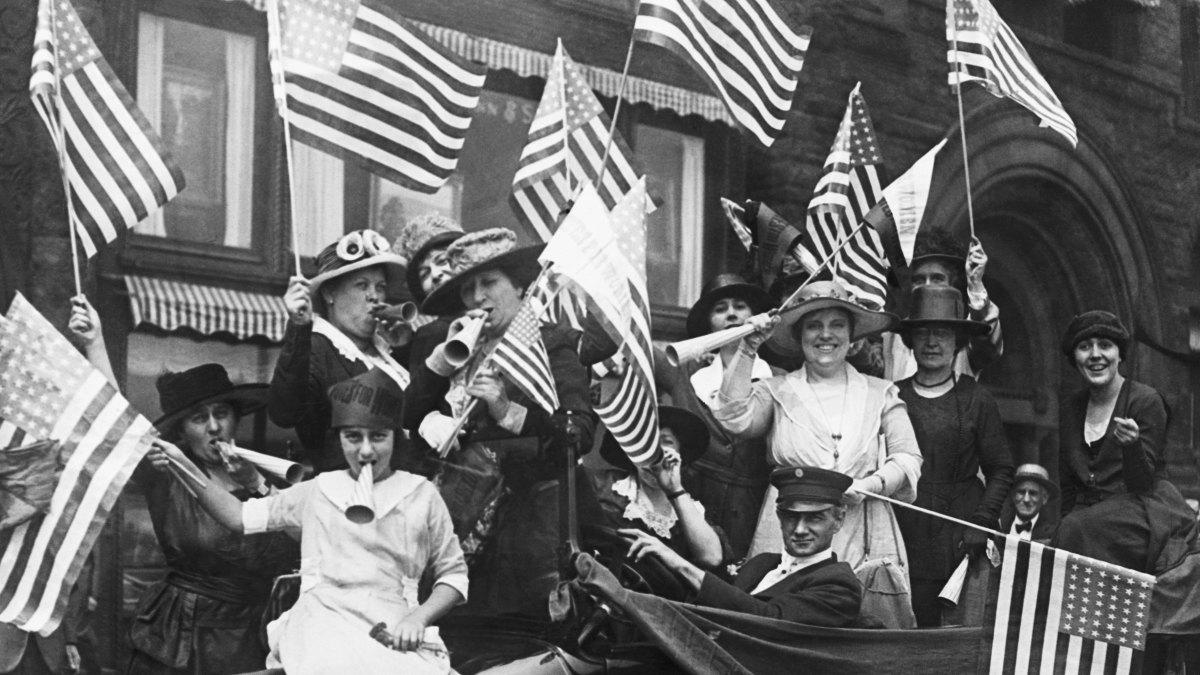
[
  {"x": 688, "y": 427},
  {"x": 473, "y": 253},
  {"x": 726, "y": 285},
  {"x": 939, "y": 245},
  {"x": 820, "y": 295},
  {"x": 354, "y": 251},
  {"x": 1036, "y": 473},
  {"x": 178, "y": 393},
  {"x": 371, "y": 400},
  {"x": 1095, "y": 323},
  {"x": 808, "y": 488},
  {"x": 941, "y": 305}
]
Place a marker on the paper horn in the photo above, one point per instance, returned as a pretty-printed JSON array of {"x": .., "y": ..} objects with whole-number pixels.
[
  {"x": 688, "y": 350},
  {"x": 405, "y": 311},
  {"x": 362, "y": 503},
  {"x": 953, "y": 588},
  {"x": 276, "y": 466},
  {"x": 459, "y": 349}
]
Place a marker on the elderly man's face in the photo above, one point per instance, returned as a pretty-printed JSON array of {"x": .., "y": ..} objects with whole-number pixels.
[
  {"x": 806, "y": 533},
  {"x": 1028, "y": 497}
]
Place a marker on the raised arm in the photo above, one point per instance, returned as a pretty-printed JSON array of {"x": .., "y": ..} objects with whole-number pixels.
[
  {"x": 704, "y": 545},
  {"x": 221, "y": 505},
  {"x": 291, "y": 392},
  {"x": 85, "y": 328}
]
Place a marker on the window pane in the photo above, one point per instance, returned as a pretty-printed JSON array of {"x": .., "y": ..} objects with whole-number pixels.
[
  {"x": 674, "y": 165},
  {"x": 319, "y": 197},
  {"x": 196, "y": 85}
]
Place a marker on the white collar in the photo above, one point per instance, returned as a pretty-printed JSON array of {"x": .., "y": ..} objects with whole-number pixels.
[
  {"x": 338, "y": 487},
  {"x": 706, "y": 381},
  {"x": 346, "y": 347},
  {"x": 795, "y": 564},
  {"x": 655, "y": 510}
]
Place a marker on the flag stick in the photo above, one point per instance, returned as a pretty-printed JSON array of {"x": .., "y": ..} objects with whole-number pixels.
[
  {"x": 962, "y": 127},
  {"x": 935, "y": 514},
  {"x": 281, "y": 101},
  {"x": 461, "y": 420},
  {"x": 612, "y": 124},
  {"x": 61, "y": 141}
]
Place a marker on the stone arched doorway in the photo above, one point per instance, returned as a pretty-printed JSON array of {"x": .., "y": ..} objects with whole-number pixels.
[{"x": 1062, "y": 237}]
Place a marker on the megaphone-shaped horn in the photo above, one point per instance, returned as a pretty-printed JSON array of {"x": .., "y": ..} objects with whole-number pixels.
[
  {"x": 361, "y": 508},
  {"x": 276, "y": 466},
  {"x": 405, "y": 311},
  {"x": 459, "y": 349},
  {"x": 688, "y": 350},
  {"x": 953, "y": 588}
]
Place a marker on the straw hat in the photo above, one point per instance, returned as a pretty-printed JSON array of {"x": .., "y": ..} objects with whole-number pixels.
[
  {"x": 178, "y": 393},
  {"x": 473, "y": 253},
  {"x": 1036, "y": 473},
  {"x": 828, "y": 295},
  {"x": 354, "y": 251}
]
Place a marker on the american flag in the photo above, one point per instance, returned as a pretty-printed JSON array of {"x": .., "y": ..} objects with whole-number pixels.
[
  {"x": 48, "y": 390},
  {"x": 744, "y": 48},
  {"x": 522, "y": 357},
  {"x": 365, "y": 84},
  {"x": 1057, "y": 612},
  {"x": 984, "y": 49},
  {"x": 604, "y": 255},
  {"x": 116, "y": 166},
  {"x": 845, "y": 193},
  {"x": 566, "y": 143}
]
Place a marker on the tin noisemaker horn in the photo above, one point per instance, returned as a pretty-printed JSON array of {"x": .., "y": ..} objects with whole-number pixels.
[
  {"x": 953, "y": 588},
  {"x": 459, "y": 349},
  {"x": 362, "y": 503},
  {"x": 282, "y": 469}
]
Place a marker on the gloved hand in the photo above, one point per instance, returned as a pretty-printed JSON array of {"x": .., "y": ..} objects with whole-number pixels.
[
  {"x": 976, "y": 263},
  {"x": 436, "y": 429},
  {"x": 856, "y": 492},
  {"x": 974, "y": 542}
]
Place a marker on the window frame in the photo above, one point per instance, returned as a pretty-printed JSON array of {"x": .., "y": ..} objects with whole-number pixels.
[{"x": 264, "y": 261}]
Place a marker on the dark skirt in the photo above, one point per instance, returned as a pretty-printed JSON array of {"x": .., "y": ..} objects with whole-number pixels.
[
  {"x": 1138, "y": 531},
  {"x": 194, "y": 625}
]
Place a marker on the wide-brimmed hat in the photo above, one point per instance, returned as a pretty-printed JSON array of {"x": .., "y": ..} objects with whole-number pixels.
[
  {"x": 688, "y": 427},
  {"x": 1036, "y": 473},
  {"x": 354, "y": 251},
  {"x": 473, "y": 253},
  {"x": 420, "y": 236},
  {"x": 372, "y": 400},
  {"x": 820, "y": 295},
  {"x": 941, "y": 305},
  {"x": 807, "y": 489},
  {"x": 179, "y": 393},
  {"x": 726, "y": 285}
]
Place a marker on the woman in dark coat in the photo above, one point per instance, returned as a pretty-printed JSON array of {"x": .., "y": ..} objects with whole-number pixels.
[
  {"x": 341, "y": 340},
  {"x": 1117, "y": 504},
  {"x": 958, "y": 427},
  {"x": 730, "y": 477},
  {"x": 501, "y": 480}
]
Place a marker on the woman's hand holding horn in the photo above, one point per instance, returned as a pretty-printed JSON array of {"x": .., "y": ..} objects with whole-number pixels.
[{"x": 764, "y": 324}]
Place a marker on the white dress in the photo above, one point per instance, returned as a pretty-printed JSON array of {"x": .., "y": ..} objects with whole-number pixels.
[
  {"x": 878, "y": 437},
  {"x": 354, "y": 576}
]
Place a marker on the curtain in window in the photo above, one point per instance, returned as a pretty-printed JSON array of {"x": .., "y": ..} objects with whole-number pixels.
[
  {"x": 149, "y": 94},
  {"x": 239, "y": 139},
  {"x": 319, "y": 198}
]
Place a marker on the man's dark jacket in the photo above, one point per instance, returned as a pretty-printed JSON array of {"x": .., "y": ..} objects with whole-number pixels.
[{"x": 824, "y": 594}]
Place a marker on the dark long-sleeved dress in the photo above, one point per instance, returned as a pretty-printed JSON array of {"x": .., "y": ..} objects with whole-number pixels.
[
  {"x": 1117, "y": 504},
  {"x": 959, "y": 433},
  {"x": 514, "y": 563},
  {"x": 205, "y": 616},
  {"x": 309, "y": 364}
]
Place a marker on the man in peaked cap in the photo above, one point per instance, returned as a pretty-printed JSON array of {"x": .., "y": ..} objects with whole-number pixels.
[{"x": 807, "y": 583}]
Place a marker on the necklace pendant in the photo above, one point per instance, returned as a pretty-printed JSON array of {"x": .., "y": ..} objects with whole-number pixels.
[
  {"x": 836, "y": 437},
  {"x": 836, "y": 456}
]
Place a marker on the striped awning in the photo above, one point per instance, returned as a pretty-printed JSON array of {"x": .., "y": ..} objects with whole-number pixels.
[
  {"x": 1143, "y": 3},
  {"x": 530, "y": 63},
  {"x": 205, "y": 309}
]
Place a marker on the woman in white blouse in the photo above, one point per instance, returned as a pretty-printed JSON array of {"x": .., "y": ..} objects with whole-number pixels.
[{"x": 827, "y": 414}]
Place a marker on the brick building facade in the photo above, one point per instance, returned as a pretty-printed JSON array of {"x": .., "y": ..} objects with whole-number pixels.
[{"x": 1111, "y": 224}]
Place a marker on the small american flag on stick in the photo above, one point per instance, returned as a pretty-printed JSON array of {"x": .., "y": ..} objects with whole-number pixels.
[
  {"x": 1057, "y": 612},
  {"x": 522, "y": 357},
  {"x": 984, "y": 49},
  {"x": 367, "y": 85},
  {"x": 116, "y": 166},
  {"x": 51, "y": 392}
]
